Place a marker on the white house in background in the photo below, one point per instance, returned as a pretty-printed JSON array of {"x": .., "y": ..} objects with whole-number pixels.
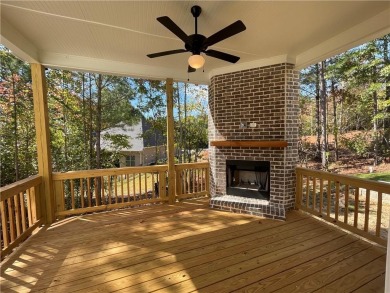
[{"x": 142, "y": 151}]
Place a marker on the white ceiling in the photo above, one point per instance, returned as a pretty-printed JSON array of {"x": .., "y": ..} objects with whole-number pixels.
[{"x": 115, "y": 36}]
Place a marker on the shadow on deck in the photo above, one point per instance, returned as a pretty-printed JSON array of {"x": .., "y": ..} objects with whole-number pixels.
[{"x": 188, "y": 247}]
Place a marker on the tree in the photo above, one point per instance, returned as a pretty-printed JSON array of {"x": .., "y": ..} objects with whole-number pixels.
[{"x": 17, "y": 136}]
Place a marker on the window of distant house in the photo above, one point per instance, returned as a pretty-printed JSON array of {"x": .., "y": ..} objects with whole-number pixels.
[{"x": 130, "y": 161}]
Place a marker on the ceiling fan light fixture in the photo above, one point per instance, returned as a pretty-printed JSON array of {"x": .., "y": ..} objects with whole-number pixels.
[{"x": 196, "y": 61}]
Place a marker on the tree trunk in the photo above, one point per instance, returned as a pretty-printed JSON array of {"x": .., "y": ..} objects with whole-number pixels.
[
  {"x": 187, "y": 157},
  {"x": 318, "y": 120},
  {"x": 335, "y": 126},
  {"x": 98, "y": 132},
  {"x": 90, "y": 123},
  {"x": 180, "y": 144},
  {"x": 16, "y": 142},
  {"x": 375, "y": 126},
  {"x": 98, "y": 120},
  {"x": 85, "y": 135},
  {"x": 64, "y": 129},
  {"x": 386, "y": 57},
  {"x": 323, "y": 105}
]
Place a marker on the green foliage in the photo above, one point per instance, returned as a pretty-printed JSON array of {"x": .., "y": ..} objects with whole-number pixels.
[
  {"x": 358, "y": 92},
  {"x": 17, "y": 132},
  {"x": 359, "y": 144},
  {"x": 80, "y": 106}
]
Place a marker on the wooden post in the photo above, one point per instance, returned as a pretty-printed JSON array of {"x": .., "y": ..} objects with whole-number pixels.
[
  {"x": 43, "y": 140},
  {"x": 170, "y": 142}
]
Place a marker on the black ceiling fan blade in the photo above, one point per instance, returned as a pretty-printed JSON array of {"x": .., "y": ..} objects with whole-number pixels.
[
  {"x": 190, "y": 69},
  {"x": 169, "y": 24},
  {"x": 164, "y": 53},
  {"x": 222, "y": 56},
  {"x": 227, "y": 32}
]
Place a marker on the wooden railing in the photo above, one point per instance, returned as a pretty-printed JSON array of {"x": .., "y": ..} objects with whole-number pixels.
[
  {"x": 192, "y": 180},
  {"x": 86, "y": 191},
  {"x": 358, "y": 205},
  {"x": 20, "y": 212}
]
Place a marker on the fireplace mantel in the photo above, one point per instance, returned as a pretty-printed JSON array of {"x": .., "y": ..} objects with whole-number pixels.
[{"x": 250, "y": 143}]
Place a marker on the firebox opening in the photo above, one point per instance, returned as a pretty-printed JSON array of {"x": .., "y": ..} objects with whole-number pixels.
[{"x": 248, "y": 178}]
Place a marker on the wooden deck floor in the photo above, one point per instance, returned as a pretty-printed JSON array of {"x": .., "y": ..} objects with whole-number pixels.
[{"x": 188, "y": 248}]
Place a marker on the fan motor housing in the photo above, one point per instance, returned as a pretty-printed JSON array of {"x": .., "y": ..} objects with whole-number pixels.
[{"x": 197, "y": 42}]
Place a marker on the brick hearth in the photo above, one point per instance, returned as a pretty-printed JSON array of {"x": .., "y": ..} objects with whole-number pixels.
[{"x": 267, "y": 96}]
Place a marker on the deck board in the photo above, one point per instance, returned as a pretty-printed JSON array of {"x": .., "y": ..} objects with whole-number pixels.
[{"x": 190, "y": 248}]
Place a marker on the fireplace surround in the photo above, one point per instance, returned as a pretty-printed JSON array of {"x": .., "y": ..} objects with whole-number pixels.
[{"x": 253, "y": 117}]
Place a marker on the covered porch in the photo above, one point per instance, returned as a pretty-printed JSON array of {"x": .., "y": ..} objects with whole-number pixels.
[{"x": 163, "y": 241}]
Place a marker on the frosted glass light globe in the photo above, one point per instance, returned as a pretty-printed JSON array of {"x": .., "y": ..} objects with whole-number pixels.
[{"x": 196, "y": 61}]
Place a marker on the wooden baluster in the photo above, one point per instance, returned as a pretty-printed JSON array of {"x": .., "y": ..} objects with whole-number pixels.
[
  {"x": 298, "y": 190},
  {"x": 4, "y": 225},
  {"x": 123, "y": 195},
  {"x": 201, "y": 179},
  {"x": 89, "y": 192},
  {"x": 207, "y": 176},
  {"x": 59, "y": 195},
  {"x": 321, "y": 195},
  {"x": 178, "y": 182},
  {"x": 134, "y": 186},
  {"x": 102, "y": 197},
  {"x": 184, "y": 181},
  {"x": 11, "y": 218},
  {"x": 109, "y": 189},
  {"x": 193, "y": 178},
  {"x": 30, "y": 222},
  {"x": 367, "y": 210},
  {"x": 23, "y": 211},
  {"x": 162, "y": 185},
  {"x": 34, "y": 203},
  {"x": 72, "y": 194},
  {"x": 116, "y": 188},
  {"x": 307, "y": 191},
  {"x": 314, "y": 193},
  {"x": 346, "y": 205},
  {"x": 379, "y": 216},
  {"x": 82, "y": 192},
  {"x": 140, "y": 185},
  {"x": 153, "y": 192},
  {"x": 328, "y": 194},
  {"x": 198, "y": 181},
  {"x": 146, "y": 185},
  {"x": 356, "y": 210},
  {"x": 97, "y": 199},
  {"x": 336, "y": 204},
  {"x": 128, "y": 187},
  {"x": 18, "y": 216}
]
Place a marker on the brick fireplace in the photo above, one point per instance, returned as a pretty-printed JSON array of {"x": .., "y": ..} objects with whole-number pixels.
[{"x": 253, "y": 117}]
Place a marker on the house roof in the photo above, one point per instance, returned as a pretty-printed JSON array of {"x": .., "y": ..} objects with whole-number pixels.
[{"x": 115, "y": 36}]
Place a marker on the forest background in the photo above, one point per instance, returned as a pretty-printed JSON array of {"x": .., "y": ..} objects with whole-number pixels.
[{"x": 344, "y": 125}]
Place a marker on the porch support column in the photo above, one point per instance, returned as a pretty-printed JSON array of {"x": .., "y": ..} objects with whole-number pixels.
[
  {"x": 43, "y": 141},
  {"x": 170, "y": 142}
]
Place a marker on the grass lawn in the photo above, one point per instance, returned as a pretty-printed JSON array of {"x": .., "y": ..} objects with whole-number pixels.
[{"x": 384, "y": 176}]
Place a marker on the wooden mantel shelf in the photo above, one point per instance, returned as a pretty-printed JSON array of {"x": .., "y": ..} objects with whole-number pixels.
[{"x": 250, "y": 143}]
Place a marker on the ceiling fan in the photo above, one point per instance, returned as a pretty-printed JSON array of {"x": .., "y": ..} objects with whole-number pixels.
[{"x": 197, "y": 43}]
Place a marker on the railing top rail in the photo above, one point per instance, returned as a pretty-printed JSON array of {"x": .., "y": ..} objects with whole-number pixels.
[
  {"x": 19, "y": 186},
  {"x": 107, "y": 172},
  {"x": 347, "y": 179},
  {"x": 192, "y": 165}
]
